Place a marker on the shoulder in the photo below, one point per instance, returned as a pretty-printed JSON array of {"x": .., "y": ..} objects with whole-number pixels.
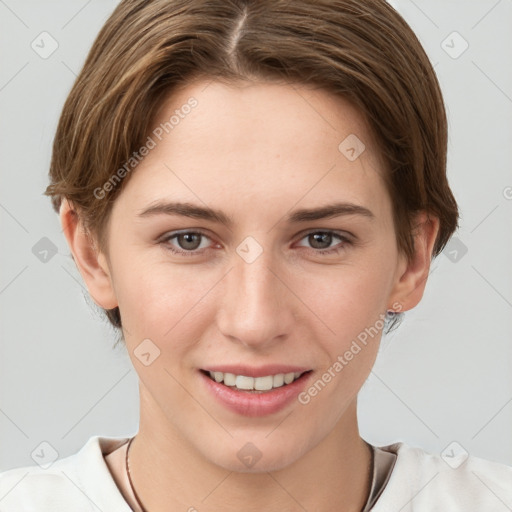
[
  {"x": 453, "y": 482},
  {"x": 79, "y": 482}
]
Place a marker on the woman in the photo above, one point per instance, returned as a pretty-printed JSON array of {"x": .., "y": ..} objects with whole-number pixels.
[{"x": 252, "y": 191}]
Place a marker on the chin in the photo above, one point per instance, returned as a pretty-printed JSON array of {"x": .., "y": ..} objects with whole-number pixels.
[{"x": 258, "y": 456}]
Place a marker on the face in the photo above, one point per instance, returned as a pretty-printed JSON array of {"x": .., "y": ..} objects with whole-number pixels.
[{"x": 250, "y": 242}]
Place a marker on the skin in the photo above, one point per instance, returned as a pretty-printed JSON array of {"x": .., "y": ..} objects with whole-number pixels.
[{"x": 272, "y": 149}]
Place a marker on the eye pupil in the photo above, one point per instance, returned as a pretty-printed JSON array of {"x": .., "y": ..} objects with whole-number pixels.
[
  {"x": 189, "y": 241},
  {"x": 320, "y": 240}
]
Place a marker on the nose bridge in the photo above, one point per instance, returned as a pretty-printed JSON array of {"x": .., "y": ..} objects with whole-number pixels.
[{"x": 254, "y": 309}]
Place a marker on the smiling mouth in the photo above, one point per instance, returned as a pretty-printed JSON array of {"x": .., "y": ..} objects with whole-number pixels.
[{"x": 254, "y": 384}]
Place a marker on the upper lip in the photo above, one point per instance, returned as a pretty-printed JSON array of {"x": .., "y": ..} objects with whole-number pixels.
[{"x": 260, "y": 371}]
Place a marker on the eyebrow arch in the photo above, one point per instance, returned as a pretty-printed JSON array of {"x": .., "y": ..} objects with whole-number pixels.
[
  {"x": 210, "y": 214},
  {"x": 329, "y": 211},
  {"x": 186, "y": 210}
]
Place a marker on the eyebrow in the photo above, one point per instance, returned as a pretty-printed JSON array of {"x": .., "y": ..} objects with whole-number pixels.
[{"x": 213, "y": 215}]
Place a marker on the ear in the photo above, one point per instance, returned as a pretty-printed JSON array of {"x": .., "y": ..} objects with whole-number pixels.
[
  {"x": 91, "y": 263},
  {"x": 413, "y": 273}
]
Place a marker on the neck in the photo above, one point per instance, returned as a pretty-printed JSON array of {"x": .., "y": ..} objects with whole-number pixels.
[{"x": 334, "y": 475}]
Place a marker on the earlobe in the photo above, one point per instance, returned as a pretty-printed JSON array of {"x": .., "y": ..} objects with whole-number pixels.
[
  {"x": 91, "y": 263},
  {"x": 413, "y": 275}
]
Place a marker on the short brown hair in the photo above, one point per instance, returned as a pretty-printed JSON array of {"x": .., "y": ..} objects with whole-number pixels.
[{"x": 361, "y": 50}]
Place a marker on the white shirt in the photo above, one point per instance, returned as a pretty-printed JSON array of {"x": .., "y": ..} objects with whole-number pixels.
[{"x": 418, "y": 482}]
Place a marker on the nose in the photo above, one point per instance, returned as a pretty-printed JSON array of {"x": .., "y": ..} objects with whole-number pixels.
[{"x": 256, "y": 308}]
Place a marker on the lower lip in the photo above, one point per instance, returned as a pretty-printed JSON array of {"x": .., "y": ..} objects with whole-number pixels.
[{"x": 252, "y": 404}]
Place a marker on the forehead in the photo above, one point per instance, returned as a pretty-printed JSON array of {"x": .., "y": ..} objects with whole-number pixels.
[
  {"x": 276, "y": 114},
  {"x": 256, "y": 141}
]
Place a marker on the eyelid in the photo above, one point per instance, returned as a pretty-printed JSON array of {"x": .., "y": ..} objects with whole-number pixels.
[
  {"x": 344, "y": 236},
  {"x": 171, "y": 235},
  {"x": 340, "y": 232}
]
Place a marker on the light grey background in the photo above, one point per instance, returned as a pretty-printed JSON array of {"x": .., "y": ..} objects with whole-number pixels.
[{"x": 444, "y": 376}]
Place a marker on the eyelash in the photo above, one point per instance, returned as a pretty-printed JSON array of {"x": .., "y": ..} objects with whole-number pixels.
[{"x": 323, "y": 252}]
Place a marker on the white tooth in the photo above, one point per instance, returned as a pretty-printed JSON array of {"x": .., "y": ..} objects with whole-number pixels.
[
  {"x": 263, "y": 383},
  {"x": 289, "y": 377},
  {"x": 212, "y": 375},
  {"x": 243, "y": 382},
  {"x": 297, "y": 375},
  {"x": 218, "y": 376},
  {"x": 229, "y": 379},
  {"x": 278, "y": 380}
]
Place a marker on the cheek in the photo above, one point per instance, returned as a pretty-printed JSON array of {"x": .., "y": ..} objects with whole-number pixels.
[
  {"x": 352, "y": 303},
  {"x": 158, "y": 300},
  {"x": 348, "y": 299}
]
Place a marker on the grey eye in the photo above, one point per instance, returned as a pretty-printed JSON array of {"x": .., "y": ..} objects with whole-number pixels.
[
  {"x": 189, "y": 241},
  {"x": 320, "y": 240}
]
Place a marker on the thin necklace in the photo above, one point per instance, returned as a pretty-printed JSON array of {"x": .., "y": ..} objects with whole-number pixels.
[
  {"x": 370, "y": 476},
  {"x": 130, "y": 478}
]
